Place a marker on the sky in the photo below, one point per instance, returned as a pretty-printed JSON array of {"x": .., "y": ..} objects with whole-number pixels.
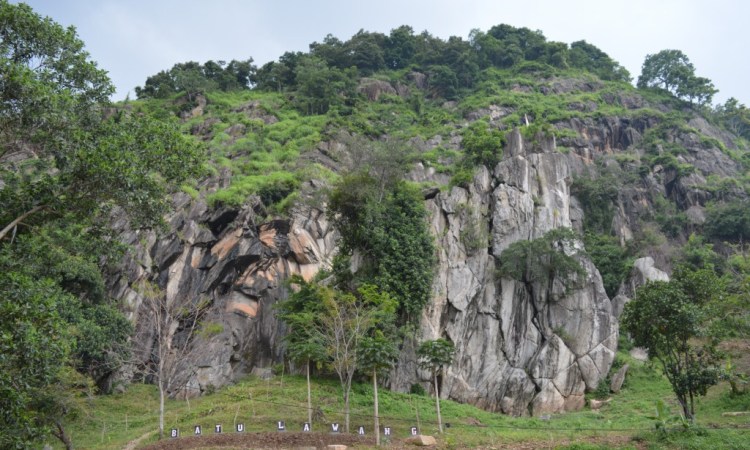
[{"x": 134, "y": 39}]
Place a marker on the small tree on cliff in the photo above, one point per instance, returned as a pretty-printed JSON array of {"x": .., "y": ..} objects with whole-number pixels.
[
  {"x": 672, "y": 71},
  {"x": 434, "y": 355}
]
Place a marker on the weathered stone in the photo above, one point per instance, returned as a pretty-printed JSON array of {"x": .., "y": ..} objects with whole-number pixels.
[
  {"x": 618, "y": 379},
  {"x": 597, "y": 404},
  {"x": 373, "y": 89},
  {"x": 639, "y": 353},
  {"x": 422, "y": 441},
  {"x": 263, "y": 374}
]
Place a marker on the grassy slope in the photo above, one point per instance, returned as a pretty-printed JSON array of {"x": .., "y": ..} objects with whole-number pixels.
[{"x": 114, "y": 420}]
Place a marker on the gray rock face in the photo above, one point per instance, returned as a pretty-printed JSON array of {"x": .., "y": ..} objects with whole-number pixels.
[
  {"x": 235, "y": 265},
  {"x": 521, "y": 348},
  {"x": 643, "y": 272},
  {"x": 618, "y": 379}
]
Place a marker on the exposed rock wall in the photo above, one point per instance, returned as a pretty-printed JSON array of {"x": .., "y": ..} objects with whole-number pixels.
[
  {"x": 236, "y": 263},
  {"x": 521, "y": 348}
]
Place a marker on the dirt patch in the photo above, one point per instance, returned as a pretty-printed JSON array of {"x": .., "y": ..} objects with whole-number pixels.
[
  {"x": 262, "y": 441},
  {"x": 246, "y": 441},
  {"x": 739, "y": 350}
]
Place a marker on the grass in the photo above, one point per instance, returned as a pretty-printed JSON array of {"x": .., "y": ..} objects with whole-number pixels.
[{"x": 114, "y": 420}]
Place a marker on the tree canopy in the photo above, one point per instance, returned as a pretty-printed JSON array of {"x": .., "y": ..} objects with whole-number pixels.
[
  {"x": 672, "y": 71},
  {"x": 193, "y": 78},
  {"x": 68, "y": 161},
  {"x": 672, "y": 320}
]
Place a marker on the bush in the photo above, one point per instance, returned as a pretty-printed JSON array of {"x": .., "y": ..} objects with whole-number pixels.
[{"x": 483, "y": 146}]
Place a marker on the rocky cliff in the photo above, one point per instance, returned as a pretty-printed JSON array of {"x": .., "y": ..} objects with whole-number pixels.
[{"x": 522, "y": 347}]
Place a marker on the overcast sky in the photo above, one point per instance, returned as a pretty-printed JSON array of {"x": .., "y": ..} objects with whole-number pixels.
[{"x": 133, "y": 39}]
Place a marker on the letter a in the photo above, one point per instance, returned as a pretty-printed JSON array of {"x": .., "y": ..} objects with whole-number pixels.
[
  {"x": 197, "y": 430},
  {"x": 361, "y": 430},
  {"x": 306, "y": 427}
]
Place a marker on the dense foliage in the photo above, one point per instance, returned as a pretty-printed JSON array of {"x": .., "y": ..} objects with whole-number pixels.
[
  {"x": 389, "y": 232},
  {"x": 542, "y": 260},
  {"x": 67, "y": 162},
  {"x": 671, "y": 319},
  {"x": 70, "y": 161},
  {"x": 672, "y": 71},
  {"x": 194, "y": 78},
  {"x": 451, "y": 67}
]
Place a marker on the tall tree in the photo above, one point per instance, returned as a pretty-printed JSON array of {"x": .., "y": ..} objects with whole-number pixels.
[
  {"x": 376, "y": 354},
  {"x": 672, "y": 71},
  {"x": 64, "y": 167},
  {"x": 434, "y": 355},
  {"x": 300, "y": 312},
  {"x": 166, "y": 333},
  {"x": 672, "y": 320},
  {"x": 346, "y": 320},
  {"x": 387, "y": 227}
]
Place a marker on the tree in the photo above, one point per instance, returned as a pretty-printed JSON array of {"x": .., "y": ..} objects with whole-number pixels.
[
  {"x": 192, "y": 78},
  {"x": 165, "y": 339},
  {"x": 542, "y": 260},
  {"x": 377, "y": 354},
  {"x": 588, "y": 57},
  {"x": 433, "y": 356},
  {"x": 672, "y": 320},
  {"x": 57, "y": 154},
  {"x": 48, "y": 85},
  {"x": 383, "y": 219},
  {"x": 34, "y": 346},
  {"x": 735, "y": 116},
  {"x": 347, "y": 319},
  {"x": 672, "y": 71},
  {"x": 300, "y": 313},
  {"x": 483, "y": 146}
]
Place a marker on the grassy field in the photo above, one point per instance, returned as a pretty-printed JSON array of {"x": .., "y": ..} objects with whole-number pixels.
[{"x": 113, "y": 421}]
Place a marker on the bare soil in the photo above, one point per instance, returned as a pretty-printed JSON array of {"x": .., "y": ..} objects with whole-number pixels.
[
  {"x": 287, "y": 440},
  {"x": 262, "y": 441}
]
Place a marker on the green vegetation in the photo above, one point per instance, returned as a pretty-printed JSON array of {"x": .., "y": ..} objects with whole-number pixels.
[
  {"x": 113, "y": 420},
  {"x": 70, "y": 162},
  {"x": 433, "y": 356},
  {"x": 672, "y": 71},
  {"x": 386, "y": 223},
  {"x": 672, "y": 320},
  {"x": 543, "y": 260},
  {"x": 55, "y": 202}
]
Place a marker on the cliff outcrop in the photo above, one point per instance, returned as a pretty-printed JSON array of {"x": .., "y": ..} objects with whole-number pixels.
[{"x": 522, "y": 347}]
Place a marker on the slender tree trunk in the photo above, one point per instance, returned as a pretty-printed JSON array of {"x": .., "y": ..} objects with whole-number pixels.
[
  {"x": 377, "y": 416},
  {"x": 62, "y": 435},
  {"x": 309, "y": 396},
  {"x": 437, "y": 405},
  {"x": 346, "y": 410},
  {"x": 161, "y": 409},
  {"x": 18, "y": 220}
]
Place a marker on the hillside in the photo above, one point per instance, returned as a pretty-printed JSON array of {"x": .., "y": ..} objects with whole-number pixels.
[{"x": 507, "y": 194}]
